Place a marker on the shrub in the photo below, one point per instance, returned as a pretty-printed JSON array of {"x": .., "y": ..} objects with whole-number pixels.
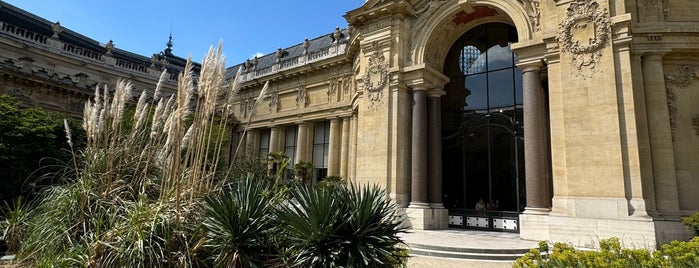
[
  {"x": 692, "y": 222},
  {"x": 341, "y": 227},
  {"x": 28, "y": 136},
  {"x": 238, "y": 223},
  {"x": 675, "y": 254}
]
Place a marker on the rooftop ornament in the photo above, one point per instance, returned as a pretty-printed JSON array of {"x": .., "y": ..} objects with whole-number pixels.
[
  {"x": 337, "y": 35},
  {"x": 306, "y": 45},
  {"x": 110, "y": 47},
  {"x": 57, "y": 29}
]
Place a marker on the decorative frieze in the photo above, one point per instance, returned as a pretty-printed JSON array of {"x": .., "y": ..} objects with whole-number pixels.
[
  {"x": 676, "y": 79},
  {"x": 584, "y": 34},
  {"x": 375, "y": 75}
]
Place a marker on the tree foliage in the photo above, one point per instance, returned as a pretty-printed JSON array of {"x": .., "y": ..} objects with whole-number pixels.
[{"x": 31, "y": 139}]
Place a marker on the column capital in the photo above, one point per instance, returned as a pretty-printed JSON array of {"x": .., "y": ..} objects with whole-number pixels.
[
  {"x": 436, "y": 93},
  {"x": 653, "y": 55},
  {"x": 531, "y": 66}
]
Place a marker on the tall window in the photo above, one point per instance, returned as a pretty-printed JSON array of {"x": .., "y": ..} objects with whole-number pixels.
[
  {"x": 264, "y": 143},
  {"x": 321, "y": 143},
  {"x": 290, "y": 150},
  {"x": 482, "y": 120}
]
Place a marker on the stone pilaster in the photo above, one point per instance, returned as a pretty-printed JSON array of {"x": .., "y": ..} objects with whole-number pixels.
[
  {"x": 344, "y": 148},
  {"x": 301, "y": 143},
  {"x": 334, "y": 148},
  {"x": 353, "y": 149},
  {"x": 252, "y": 145},
  {"x": 660, "y": 134},
  {"x": 274, "y": 139},
  {"x": 536, "y": 164}
]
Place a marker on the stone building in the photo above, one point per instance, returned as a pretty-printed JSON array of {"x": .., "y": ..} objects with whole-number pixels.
[
  {"x": 573, "y": 120},
  {"x": 44, "y": 64}
]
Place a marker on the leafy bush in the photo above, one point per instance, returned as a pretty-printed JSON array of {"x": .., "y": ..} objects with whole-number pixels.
[
  {"x": 675, "y": 254},
  {"x": 28, "y": 136},
  {"x": 692, "y": 222}
]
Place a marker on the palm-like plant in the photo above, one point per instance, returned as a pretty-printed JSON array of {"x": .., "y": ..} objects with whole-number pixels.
[
  {"x": 238, "y": 222},
  {"x": 336, "y": 226}
]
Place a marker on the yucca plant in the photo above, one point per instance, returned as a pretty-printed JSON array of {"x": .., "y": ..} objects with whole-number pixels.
[
  {"x": 238, "y": 222},
  {"x": 13, "y": 223},
  {"x": 336, "y": 226}
]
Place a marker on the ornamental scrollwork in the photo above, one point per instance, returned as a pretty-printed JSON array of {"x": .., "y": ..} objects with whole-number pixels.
[
  {"x": 376, "y": 75},
  {"x": 586, "y": 22}
]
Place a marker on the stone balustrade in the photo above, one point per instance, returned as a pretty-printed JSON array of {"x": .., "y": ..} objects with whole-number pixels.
[
  {"x": 295, "y": 62},
  {"x": 82, "y": 53}
]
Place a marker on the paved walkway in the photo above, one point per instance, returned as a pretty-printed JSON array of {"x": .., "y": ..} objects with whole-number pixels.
[{"x": 455, "y": 238}]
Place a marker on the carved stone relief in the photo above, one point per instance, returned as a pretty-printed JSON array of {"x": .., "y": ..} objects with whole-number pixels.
[
  {"x": 274, "y": 102},
  {"x": 695, "y": 124},
  {"x": 534, "y": 13},
  {"x": 332, "y": 88},
  {"x": 246, "y": 106},
  {"x": 677, "y": 79},
  {"x": 423, "y": 15},
  {"x": 375, "y": 76},
  {"x": 584, "y": 33},
  {"x": 302, "y": 97}
]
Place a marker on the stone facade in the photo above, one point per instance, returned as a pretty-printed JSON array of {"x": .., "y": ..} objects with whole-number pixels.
[{"x": 609, "y": 98}]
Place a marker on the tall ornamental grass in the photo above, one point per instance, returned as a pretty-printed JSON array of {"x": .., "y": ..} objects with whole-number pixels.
[{"x": 132, "y": 197}]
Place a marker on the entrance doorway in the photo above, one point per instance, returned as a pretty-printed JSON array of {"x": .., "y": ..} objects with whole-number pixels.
[{"x": 483, "y": 163}]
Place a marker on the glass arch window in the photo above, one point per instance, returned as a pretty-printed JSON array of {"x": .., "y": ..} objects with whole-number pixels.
[{"x": 482, "y": 121}]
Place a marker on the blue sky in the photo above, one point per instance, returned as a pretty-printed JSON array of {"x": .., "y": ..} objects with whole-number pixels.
[{"x": 245, "y": 27}]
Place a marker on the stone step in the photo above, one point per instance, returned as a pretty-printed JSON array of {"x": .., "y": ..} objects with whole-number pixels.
[{"x": 467, "y": 253}]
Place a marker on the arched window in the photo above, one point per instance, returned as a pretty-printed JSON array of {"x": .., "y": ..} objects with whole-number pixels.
[{"x": 482, "y": 121}]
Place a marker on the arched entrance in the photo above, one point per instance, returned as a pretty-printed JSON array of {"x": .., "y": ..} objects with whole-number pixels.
[{"x": 482, "y": 137}]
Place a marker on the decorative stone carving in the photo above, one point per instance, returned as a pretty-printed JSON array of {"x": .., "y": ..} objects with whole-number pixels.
[
  {"x": 376, "y": 75},
  {"x": 534, "y": 13},
  {"x": 109, "y": 46},
  {"x": 274, "y": 102},
  {"x": 332, "y": 88},
  {"x": 57, "y": 29},
  {"x": 586, "y": 22},
  {"x": 676, "y": 79},
  {"x": 302, "y": 97},
  {"x": 423, "y": 15},
  {"x": 695, "y": 124}
]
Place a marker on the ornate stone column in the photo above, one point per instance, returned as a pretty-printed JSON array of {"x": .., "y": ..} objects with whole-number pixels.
[
  {"x": 344, "y": 148},
  {"x": 660, "y": 133},
  {"x": 334, "y": 148},
  {"x": 418, "y": 198},
  {"x": 434, "y": 148},
  {"x": 301, "y": 144},
  {"x": 536, "y": 164}
]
